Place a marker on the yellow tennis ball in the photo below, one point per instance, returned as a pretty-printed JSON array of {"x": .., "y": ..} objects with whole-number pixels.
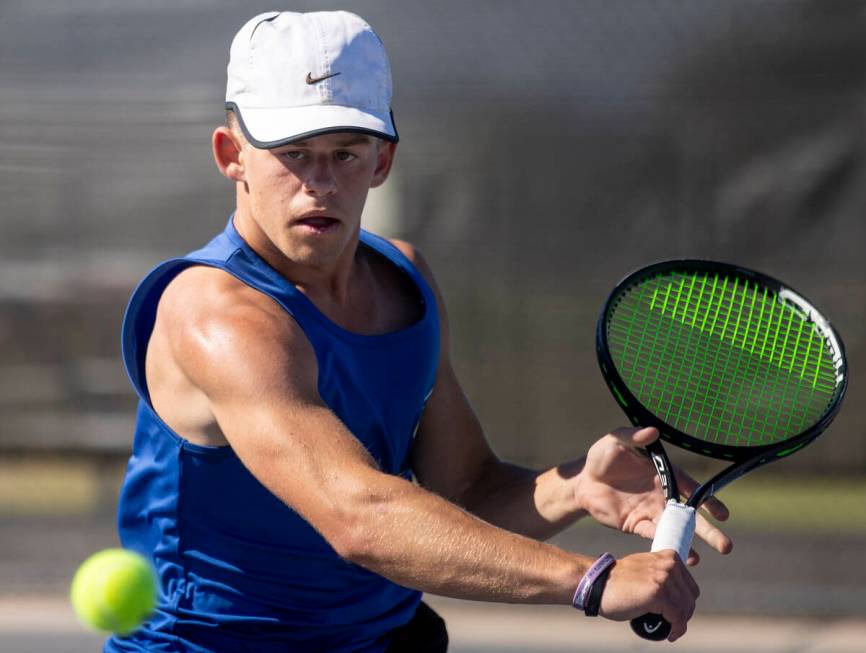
[{"x": 114, "y": 591}]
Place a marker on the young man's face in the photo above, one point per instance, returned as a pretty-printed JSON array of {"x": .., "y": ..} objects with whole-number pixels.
[{"x": 306, "y": 198}]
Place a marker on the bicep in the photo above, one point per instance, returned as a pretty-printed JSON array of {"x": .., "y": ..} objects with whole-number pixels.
[
  {"x": 297, "y": 448},
  {"x": 259, "y": 374}
]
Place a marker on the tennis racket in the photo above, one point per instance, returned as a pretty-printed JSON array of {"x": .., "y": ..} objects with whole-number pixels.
[{"x": 725, "y": 362}]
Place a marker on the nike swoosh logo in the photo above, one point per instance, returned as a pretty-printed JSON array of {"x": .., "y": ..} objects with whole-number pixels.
[
  {"x": 316, "y": 80},
  {"x": 652, "y": 629}
]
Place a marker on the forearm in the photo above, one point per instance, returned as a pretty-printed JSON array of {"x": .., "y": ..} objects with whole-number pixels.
[
  {"x": 532, "y": 503},
  {"x": 420, "y": 540}
]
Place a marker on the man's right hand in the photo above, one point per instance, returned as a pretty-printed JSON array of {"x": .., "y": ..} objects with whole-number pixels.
[{"x": 657, "y": 583}]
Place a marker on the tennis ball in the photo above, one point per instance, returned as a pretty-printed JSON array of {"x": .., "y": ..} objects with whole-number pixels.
[{"x": 114, "y": 591}]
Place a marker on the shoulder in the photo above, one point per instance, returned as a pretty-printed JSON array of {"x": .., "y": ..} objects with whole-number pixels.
[
  {"x": 415, "y": 258},
  {"x": 217, "y": 326},
  {"x": 203, "y": 297}
]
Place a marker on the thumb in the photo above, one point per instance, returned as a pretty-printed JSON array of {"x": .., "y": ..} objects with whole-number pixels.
[{"x": 636, "y": 437}]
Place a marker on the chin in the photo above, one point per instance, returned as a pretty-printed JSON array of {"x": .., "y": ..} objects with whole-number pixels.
[{"x": 315, "y": 249}]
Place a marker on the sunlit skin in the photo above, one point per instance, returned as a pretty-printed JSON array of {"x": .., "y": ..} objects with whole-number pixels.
[
  {"x": 226, "y": 367},
  {"x": 299, "y": 206}
]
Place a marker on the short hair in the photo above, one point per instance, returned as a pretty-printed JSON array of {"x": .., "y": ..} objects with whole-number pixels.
[
  {"x": 234, "y": 125},
  {"x": 232, "y": 120}
]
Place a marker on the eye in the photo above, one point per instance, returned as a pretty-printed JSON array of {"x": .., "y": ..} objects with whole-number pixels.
[
  {"x": 293, "y": 155},
  {"x": 343, "y": 155}
]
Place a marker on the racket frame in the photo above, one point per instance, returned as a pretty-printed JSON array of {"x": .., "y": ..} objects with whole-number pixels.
[{"x": 743, "y": 459}]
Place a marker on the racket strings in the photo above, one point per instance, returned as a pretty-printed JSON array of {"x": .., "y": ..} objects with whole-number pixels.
[
  {"x": 686, "y": 352},
  {"x": 721, "y": 359},
  {"x": 725, "y": 329},
  {"x": 771, "y": 335}
]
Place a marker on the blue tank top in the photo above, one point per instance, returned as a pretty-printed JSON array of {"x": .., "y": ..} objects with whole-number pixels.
[{"x": 238, "y": 569}]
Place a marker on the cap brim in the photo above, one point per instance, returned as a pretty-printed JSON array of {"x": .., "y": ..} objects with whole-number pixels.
[{"x": 267, "y": 128}]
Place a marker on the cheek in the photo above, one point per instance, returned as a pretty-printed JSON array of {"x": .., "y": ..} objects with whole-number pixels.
[
  {"x": 359, "y": 179},
  {"x": 272, "y": 184}
]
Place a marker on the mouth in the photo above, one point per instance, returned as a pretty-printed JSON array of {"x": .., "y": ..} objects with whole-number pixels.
[{"x": 318, "y": 224}]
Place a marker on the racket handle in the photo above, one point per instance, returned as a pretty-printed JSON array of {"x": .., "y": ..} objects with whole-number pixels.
[
  {"x": 653, "y": 627},
  {"x": 675, "y": 530}
]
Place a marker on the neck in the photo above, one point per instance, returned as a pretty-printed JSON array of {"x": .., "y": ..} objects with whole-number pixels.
[{"x": 325, "y": 276}]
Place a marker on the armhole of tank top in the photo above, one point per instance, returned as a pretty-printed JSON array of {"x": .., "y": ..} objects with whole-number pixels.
[
  {"x": 133, "y": 351},
  {"x": 134, "y": 348},
  {"x": 386, "y": 248},
  {"x": 392, "y": 253}
]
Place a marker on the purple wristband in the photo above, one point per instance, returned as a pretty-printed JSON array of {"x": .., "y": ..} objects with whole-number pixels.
[{"x": 592, "y": 574}]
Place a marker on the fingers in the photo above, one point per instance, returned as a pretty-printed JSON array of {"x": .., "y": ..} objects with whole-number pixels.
[
  {"x": 704, "y": 529},
  {"x": 651, "y": 583},
  {"x": 636, "y": 437},
  {"x": 717, "y": 509},
  {"x": 680, "y": 595},
  {"x": 690, "y": 584},
  {"x": 713, "y": 506},
  {"x": 677, "y": 594},
  {"x": 645, "y": 528},
  {"x": 678, "y": 624},
  {"x": 713, "y": 536}
]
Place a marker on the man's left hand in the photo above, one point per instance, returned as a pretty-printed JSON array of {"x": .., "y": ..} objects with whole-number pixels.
[{"x": 619, "y": 488}]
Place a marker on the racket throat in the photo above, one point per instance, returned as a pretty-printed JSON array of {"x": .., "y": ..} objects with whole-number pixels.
[{"x": 664, "y": 470}]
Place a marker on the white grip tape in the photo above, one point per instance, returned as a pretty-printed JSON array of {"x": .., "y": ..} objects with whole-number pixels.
[{"x": 675, "y": 529}]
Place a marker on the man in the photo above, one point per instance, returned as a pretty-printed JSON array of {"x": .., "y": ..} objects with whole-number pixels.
[{"x": 295, "y": 380}]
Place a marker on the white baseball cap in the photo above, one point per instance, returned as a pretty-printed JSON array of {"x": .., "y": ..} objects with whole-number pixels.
[{"x": 293, "y": 75}]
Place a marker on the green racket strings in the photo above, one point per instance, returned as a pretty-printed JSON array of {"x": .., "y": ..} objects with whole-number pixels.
[{"x": 721, "y": 358}]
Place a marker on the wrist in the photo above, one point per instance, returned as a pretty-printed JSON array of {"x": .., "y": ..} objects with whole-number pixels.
[
  {"x": 577, "y": 469},
  {"x": 587, "y": 596},
  {"x": 562, "y": 491}
]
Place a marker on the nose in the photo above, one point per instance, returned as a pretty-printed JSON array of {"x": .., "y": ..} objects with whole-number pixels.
[{"x": 321, "y": 181}]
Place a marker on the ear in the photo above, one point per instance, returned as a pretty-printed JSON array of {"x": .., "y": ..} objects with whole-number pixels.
[
  {"x": 228, "y": 153},
  {"x": 384, "y": 161}
]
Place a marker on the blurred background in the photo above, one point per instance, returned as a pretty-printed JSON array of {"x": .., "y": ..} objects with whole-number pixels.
[{"x": 548, "y": 148}]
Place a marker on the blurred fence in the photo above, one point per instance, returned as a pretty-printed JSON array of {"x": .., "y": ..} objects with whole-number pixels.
[{"x": 548, "y": 148}]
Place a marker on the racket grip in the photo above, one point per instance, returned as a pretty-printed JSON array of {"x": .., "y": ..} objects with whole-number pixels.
[
  {"x": 675, "y": 530},
  {"x": 653, "y": 627}
]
